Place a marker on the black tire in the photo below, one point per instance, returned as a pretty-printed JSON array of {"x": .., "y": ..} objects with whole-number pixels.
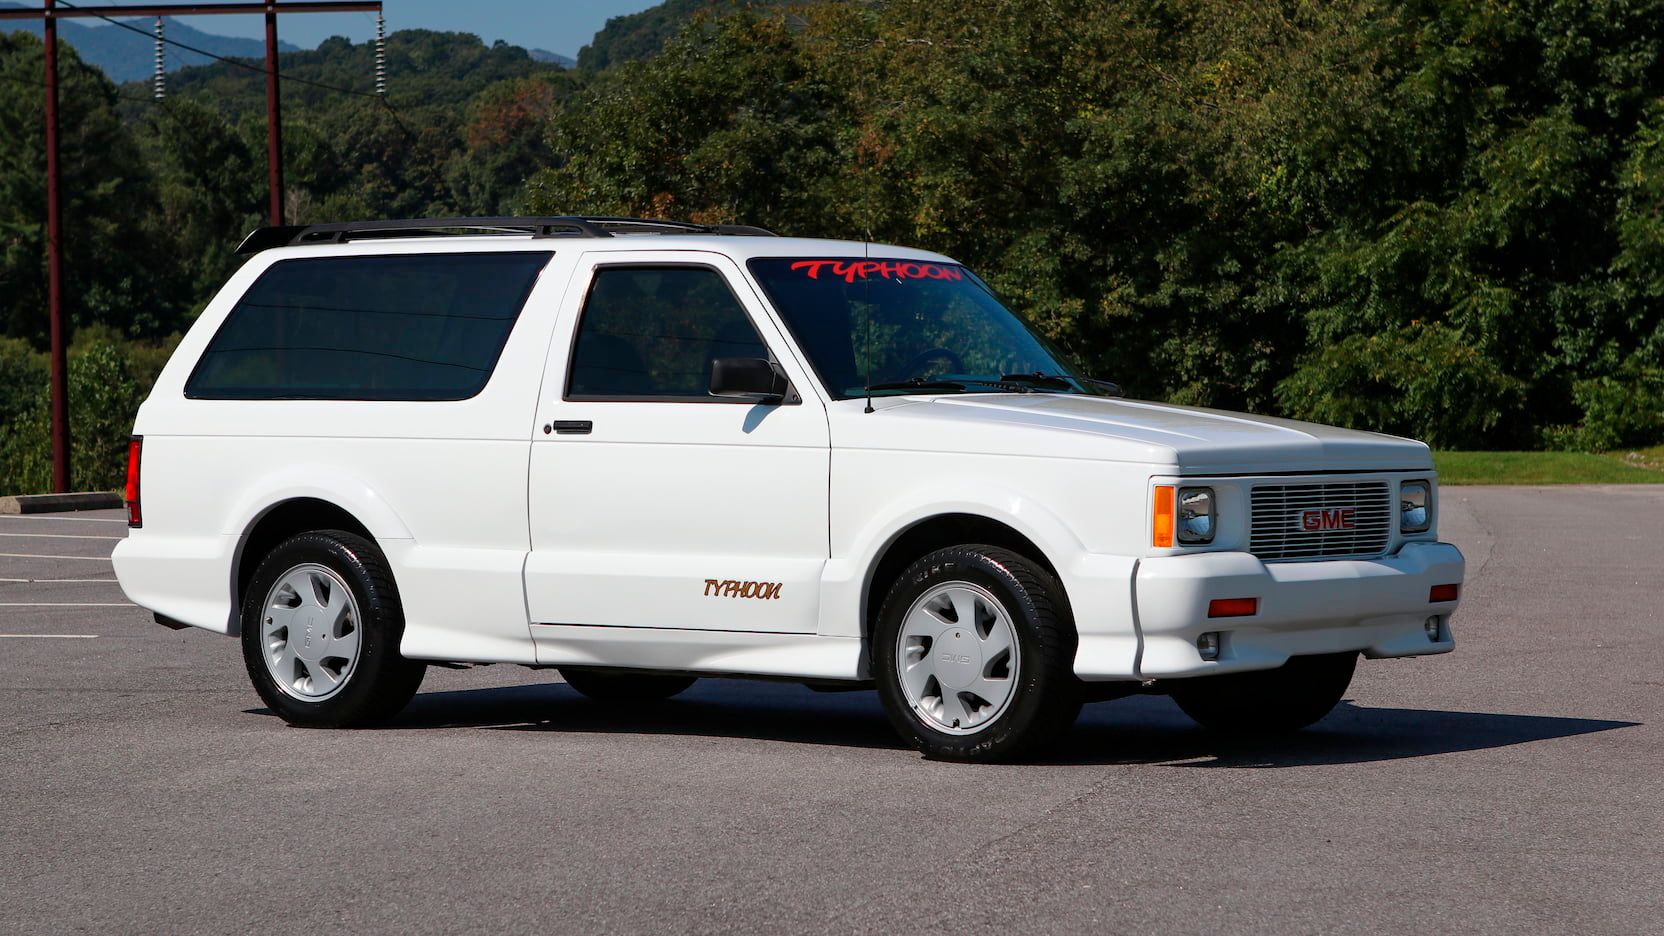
[
  {"x": 1046, "y": 697},
  {"x": 626, "y": 688},
  {"x": 1268, "y": 702},
  {"x": 381, "y": 682}
]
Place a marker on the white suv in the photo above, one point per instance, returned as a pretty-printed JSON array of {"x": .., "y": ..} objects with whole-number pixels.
[{"x": 642, "y": 452}]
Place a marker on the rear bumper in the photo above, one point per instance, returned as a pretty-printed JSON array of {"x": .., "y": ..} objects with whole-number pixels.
[
  {"x": 1376, "y": 606},
  {"x": 185, "y": 579}
]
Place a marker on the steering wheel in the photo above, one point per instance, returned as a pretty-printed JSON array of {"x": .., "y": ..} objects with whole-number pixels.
[{"x": 916, "y": 362}]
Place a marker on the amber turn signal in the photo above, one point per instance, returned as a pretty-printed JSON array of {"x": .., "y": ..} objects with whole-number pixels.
[{"x": 1162, "y": 526}]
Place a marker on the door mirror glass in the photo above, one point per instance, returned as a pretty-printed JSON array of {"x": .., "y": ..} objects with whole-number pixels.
[{"x": 748, "y": 377}]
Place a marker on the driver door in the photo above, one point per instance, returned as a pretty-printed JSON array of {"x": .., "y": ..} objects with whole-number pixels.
[{"x": 653, "y": 503}]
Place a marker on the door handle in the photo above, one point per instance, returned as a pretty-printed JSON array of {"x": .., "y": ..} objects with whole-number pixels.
[{"x": 569, "y": 427}]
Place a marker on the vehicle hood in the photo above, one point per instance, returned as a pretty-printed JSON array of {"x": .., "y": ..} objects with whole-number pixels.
[{"x": 1191, "y": 439}]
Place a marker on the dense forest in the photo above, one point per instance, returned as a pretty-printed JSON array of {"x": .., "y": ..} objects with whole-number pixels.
[{"x": 1441, "y": 219}]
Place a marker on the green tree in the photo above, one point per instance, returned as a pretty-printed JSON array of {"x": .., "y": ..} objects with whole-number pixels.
[
  {"x": 1372, "y": 213},
  {"x": 108, "y": 261}
]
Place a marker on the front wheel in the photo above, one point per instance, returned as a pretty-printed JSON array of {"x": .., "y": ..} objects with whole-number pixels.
[
  {"x": 1277, "y": 701},
  {"x": 973, "y": 654},
  {"x": 321, "y": 625}
]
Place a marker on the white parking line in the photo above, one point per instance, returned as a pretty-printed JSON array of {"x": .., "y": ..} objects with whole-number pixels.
[
  {"x": 51, "y": 636},
  {"x": 67, "y": 604},
  {"x": 61, "y": 536},
  {"x": 56, "y": 581},
  {"x": 54, "y": 518},
  {"x": 34, "y": 556}
]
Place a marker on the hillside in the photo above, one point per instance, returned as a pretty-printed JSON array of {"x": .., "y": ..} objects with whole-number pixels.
[
  {"x": 127, "y": 56},
  {"x": 161, "y": 193},
  {"x": 425, "y": 69},
  {"x": 641, "y": 35}
]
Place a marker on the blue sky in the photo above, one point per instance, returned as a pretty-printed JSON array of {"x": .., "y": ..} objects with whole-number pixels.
[{"x": 562, "y": 26}]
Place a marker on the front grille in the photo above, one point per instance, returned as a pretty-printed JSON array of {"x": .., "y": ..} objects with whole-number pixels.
[{"x": 1327, "y": 520}]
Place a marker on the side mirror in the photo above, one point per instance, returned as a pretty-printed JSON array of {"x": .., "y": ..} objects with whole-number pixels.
[{"x": 748, "y": 377}]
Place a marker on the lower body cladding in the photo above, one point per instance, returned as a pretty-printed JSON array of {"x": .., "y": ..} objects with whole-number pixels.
[
  {"x": 1229, "y": 612},
  {"x": 710, "y": 652}
]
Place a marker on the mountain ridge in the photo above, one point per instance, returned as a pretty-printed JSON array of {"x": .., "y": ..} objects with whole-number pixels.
[{"x": 125, "y": 55}]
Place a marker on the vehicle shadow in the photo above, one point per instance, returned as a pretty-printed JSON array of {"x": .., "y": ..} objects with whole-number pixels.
[
  {"x": 1138, "y": 730},
  {"x": 1152, "y": 730}
]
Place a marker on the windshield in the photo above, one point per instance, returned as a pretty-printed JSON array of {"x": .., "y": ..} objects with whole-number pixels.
[{"x": 885, "y": 326}]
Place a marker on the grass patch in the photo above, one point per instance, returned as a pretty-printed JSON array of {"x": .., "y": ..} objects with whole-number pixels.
[{"x": 1641, "y": 466}]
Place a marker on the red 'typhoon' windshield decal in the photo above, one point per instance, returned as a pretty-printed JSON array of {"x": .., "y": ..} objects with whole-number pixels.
[{"x": 851, "y": 270}]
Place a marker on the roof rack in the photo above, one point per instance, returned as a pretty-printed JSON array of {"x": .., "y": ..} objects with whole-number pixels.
[{"x": 266, "y": 238}]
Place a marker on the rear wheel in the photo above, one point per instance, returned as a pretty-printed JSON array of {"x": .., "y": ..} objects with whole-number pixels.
[
  {"x": 321, "y": 625},
  {"x": 973, "y": 653},
  {"x": 1277, "y": 701},
  {"x": 624, "y": 687}
]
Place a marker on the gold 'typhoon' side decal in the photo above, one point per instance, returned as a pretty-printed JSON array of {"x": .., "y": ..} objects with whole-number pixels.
[{"x": 728, "y": 588}]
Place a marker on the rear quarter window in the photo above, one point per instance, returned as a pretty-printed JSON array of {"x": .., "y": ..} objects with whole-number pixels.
[{"x": 402, "y": 327}]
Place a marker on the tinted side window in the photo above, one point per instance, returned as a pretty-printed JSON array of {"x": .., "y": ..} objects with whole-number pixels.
[
  {"x": 405, "y": 327},
  {"x": 653, "y": 332}
]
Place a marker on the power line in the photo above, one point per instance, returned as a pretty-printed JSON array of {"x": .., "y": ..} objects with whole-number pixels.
[
  {"x": 282, "y": 76},
  {"x": 41, "y": 84},
  {"x": 220, "y": 58}
]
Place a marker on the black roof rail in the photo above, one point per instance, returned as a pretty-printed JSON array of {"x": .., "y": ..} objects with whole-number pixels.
[{"x": 553, "y": 226}]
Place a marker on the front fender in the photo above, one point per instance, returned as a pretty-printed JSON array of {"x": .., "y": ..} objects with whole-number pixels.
[
  {"x": 1077, "y": 513},
  {"x": 847, "y": 581}
]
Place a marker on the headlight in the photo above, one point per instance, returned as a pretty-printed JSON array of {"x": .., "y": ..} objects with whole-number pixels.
[
  {"x": 1415, "y": 506},
  {"x": 1195, "y": 516}
]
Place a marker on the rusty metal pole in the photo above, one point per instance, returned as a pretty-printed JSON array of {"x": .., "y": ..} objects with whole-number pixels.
[
  {"x": 274, "y": 117},
  {"x": 54, "y": 266}
]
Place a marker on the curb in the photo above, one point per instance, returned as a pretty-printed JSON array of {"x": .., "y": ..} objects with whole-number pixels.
[{"x": 58, "y": 503}]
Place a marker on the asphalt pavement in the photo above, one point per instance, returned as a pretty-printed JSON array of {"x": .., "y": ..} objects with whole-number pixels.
[{"x": 1516, "y": 785}]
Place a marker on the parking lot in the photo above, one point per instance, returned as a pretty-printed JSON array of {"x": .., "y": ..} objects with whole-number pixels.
[{"x": 1516, "y": 785}]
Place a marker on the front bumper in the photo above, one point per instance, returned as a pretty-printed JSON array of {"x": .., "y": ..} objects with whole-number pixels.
[{"x": 1376, "y": 606}]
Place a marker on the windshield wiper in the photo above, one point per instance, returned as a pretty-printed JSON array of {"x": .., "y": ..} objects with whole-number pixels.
[
  {"x": 1060, "y": 382},
  {"x": 964, "y": 383},
  {"x": 917, "y": 383},
  {"x": 1037, "y": 379}
]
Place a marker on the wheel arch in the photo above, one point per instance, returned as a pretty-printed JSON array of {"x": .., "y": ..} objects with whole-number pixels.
[
  {"x": 937, "y": 531},
  {"x": 276, "y": 523}
]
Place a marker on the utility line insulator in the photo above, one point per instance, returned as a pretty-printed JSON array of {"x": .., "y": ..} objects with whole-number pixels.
[
  {"x": 381, "y": 54},
  {"x": 159, "y": 81}
]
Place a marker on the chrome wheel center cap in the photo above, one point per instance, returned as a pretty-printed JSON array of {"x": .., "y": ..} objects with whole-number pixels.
[{"x": 958, "y": 657}]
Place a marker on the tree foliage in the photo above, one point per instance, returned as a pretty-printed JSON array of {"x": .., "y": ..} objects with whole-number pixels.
[
  {"x": 1440, "y": 219},
  {"x": 157, "y": 196},
  {"x": 636, "y": 37}
]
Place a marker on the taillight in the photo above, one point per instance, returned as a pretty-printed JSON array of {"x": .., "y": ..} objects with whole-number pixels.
[{"x": 131, "y": 495}]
